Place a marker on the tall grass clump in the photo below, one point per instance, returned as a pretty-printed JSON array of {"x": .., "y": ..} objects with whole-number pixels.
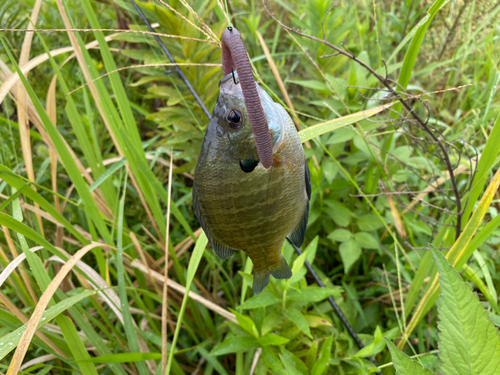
[{"x": 104, "y": 268}]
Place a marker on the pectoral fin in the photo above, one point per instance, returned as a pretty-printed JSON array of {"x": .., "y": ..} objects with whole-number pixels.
[
  {"x": 220, "y": 249},
  {"x": 299, "y": 232}
]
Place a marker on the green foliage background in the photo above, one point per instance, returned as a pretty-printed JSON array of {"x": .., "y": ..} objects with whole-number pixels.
[{"x": 369, "y": 247}]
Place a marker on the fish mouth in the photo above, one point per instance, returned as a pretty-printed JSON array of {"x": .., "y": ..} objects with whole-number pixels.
[{"x": 248, "y": 165}]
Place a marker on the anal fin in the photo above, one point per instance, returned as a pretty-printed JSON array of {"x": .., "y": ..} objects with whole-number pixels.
[
  {"x": 223, "y": 251},
  {"x": 281, "y": 270},
  {"x": 260, "y": 281}
]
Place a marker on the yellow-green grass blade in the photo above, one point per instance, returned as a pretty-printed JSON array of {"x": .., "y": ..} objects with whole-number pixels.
[
  {"x": 412, "y": 52},
  {"x": 458, "y": 255},
  {"x": 484, "y": 167},
  {"x": 193, "y": 266},
  {"x": 10, "y": 341},
  {"x": 90, "y": 206},
  {"x": 331, "y": 125},
  {"x": 122, "y": 292},
  {"x": 488, "y": 159}
]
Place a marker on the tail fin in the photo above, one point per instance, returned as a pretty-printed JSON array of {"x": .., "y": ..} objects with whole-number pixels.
[{"x": 279, "y": 271}]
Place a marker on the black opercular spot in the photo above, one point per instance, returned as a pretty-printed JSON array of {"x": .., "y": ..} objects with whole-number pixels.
[{"x": 248, "y": 166}]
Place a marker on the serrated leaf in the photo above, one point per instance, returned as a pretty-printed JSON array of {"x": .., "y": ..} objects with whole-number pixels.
[
  {"x": 235, "y": 344},
  {"x": 469, "y": 342},
  {"x": 405, "y": 365},
  {"x": 350, "y": 252},
  {"x": 299, "y": 320},
  {"x": 366, "y": 240},
  {"x": 272, "y": 339},
  {"x": 340, "y": 235}
]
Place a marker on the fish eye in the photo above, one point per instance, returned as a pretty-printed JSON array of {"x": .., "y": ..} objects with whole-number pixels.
[{"x": 234, "y": 118}]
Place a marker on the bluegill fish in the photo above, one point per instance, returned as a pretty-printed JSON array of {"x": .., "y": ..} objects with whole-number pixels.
[{"x": 239, "y": 203}]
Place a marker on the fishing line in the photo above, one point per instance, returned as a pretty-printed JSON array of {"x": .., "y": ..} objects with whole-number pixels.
[
  {"x": 172, "y": 60},
  {"x": 335, "y": 307}
]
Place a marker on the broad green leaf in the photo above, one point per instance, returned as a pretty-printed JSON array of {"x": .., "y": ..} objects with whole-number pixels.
[
  {"x": 246, "y": 323},
  {"x": 312, "y": 294},
  {"x": 328, "y": 126},
  {"x": 289, "y": 365},
  {"x": 10, "y": 341},
  {"x": 321, "y": 364},
  {"x": 261, "y": 300},
  {"x": 366, "y": 240},
  {"x": 338, "y": 212},
  {"x": 272, "y": 361},
  {"x": 350, "y": 252},
  {"x": 376, "y": 346},
  {"x": 369, "y": 222},
  {"x": 271, "y": 339},
  {"x": 340, "y": 235},
  {"x": 329, "y": 169},
  {"x": 292, "y": 363},
  {"x": 468, "y": 340},
  {"x": 298, "y": 319},
  {"x": 405, "y": 365},
  {"x": 235, "y": 344},
  {"x": 122, "y": 357}
]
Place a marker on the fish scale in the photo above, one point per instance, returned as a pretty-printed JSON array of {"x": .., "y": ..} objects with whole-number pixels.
[{"x": 255, "y": 211}]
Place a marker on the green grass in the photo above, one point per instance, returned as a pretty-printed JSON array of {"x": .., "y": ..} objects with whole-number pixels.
[{"x": 368, "y": 246}]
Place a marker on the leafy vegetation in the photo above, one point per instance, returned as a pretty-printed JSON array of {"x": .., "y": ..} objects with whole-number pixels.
[{"x": 88, "y": 139}]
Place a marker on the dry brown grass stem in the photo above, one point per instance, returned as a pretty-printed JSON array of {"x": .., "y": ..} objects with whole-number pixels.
[
  {"x": 210, "y": 35},
  {"x": 36, "y": 317},
  {"x": 31, "y": 32},
  {"x": 182, "y": 290},
  {"x": 141, "y": 66},
  {"x": 97, "y": 101},
  {"x": 22, "y": 105}
]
